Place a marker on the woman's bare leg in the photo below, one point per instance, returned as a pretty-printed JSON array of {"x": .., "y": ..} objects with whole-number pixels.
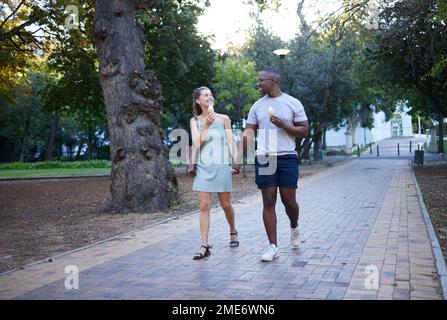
[
  {"x": 204, "y": 216},
  {"x": 225, "y": 202}
]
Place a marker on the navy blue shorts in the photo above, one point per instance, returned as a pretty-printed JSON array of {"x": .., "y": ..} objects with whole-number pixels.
[{"x": 283, "y": 174}]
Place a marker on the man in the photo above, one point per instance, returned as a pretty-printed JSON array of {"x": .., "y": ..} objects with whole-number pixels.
[{"x": 280, "y": 119}]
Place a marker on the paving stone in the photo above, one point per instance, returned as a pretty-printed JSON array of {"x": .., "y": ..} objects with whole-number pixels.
[{"x": 351, "y": 218}]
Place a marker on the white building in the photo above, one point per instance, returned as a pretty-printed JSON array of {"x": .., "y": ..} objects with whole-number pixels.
[{"x": 398, "y": 126}]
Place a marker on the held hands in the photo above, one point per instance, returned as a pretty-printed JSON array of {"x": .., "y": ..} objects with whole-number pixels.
[{"x": 235, "y": 169}]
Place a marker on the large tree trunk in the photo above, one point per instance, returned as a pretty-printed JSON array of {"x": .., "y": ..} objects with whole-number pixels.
[
  {"x": 352, "y": 125},
  {"x": 143, "y": 180},
  {"x": 25, "y": 141},
  {"x": 51, "y": 138}
]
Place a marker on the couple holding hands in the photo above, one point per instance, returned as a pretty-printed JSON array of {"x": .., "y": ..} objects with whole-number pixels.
[{"x": 276, "y": 112}]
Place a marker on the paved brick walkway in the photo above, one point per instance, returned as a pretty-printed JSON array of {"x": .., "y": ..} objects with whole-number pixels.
[{"x": 363, "y": 237}]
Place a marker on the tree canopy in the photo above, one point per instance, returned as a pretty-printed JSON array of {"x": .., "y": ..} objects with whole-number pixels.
[
  {"x": 412, "y": 43},
  {"x": 351, "y": 60},
  {"x": 235, "y": 85}
]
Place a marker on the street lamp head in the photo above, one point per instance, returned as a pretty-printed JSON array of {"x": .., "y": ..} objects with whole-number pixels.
[{"x": 282, "y": 52}]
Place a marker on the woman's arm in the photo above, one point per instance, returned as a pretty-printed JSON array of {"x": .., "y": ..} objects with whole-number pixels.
[
  {"x": 199, "y": 136},
  {"x": 229, "y": 137},
  {"x": 195, "y": 134}
]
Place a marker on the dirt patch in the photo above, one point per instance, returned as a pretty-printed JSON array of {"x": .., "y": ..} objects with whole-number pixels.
[
  {"x": 41, "y": 218},
  {"x": 432, "y": 180}
]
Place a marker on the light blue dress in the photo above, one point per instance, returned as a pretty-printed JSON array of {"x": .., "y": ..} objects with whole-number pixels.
[{"x": 213, "y": 172}]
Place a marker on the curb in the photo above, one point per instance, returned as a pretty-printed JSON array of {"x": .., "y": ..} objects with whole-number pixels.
[{"x": 439, "y": 257}]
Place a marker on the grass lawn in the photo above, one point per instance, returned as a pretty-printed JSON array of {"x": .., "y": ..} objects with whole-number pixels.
[{"x": 51, "y": 172}]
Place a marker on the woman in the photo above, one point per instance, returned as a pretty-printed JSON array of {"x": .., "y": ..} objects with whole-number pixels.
[{"x": 211, "y": 134}]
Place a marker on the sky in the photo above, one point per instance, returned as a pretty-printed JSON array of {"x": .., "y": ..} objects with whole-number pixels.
[{"x": 229, "y": 20}]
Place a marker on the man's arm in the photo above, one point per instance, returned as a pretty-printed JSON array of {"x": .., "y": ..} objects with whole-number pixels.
[{"x": 298, "y": 129}]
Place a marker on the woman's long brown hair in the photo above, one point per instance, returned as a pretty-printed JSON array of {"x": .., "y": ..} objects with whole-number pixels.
[{"x": 196, "y": 109}]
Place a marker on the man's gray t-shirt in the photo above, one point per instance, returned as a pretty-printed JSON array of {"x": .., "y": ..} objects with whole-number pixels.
[{"x": 273, "y": 140}]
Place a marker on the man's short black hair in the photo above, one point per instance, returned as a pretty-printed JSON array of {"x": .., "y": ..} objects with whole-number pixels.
[{"x": 272, "y": 71}]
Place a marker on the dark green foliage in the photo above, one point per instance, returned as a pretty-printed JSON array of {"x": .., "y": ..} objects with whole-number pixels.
[
  {"x": 56, "y": 165},
  {"x": 181, "y": 59},
  {"x": 412, "y": 43}
]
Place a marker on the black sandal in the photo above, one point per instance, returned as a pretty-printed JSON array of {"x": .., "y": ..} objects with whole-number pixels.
[
  {"x": 234, "y": 243},
  {"x": 200, "y": 255}
]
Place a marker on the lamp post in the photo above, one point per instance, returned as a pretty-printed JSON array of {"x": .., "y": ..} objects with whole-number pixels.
[{"x": 281, "y": 53}]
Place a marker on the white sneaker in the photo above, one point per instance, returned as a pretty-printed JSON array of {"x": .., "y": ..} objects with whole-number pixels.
[
  {"x": 294, "y": 235},
  {"x": 271, "y": 253}
]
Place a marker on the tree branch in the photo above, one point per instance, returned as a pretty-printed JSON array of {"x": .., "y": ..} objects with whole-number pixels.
[
  {"x": 14, "y": 31},
  {"x": 18, "y": 47},
  {"x": 355, "y": 8},
  {"x": 411, "y": 58},
  {"x": 12, "y": 14},
  {"x": 304, "y": 26}
]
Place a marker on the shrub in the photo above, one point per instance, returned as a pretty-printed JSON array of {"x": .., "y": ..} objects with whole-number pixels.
[{"x": 56, "y": 165}]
